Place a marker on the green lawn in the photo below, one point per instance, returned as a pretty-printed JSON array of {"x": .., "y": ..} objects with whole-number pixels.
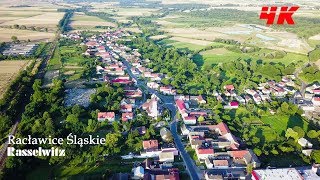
[
  {"x": 55, "y": 61},
  {"x": 86, "y": 18},
  {"x": 73, "y": 60},
  {"x": 222, "y": 55},
  {"x": 282, "y": 160},
  {"x": 281, "y": 123},
  {"x": 183, "y": 45}
]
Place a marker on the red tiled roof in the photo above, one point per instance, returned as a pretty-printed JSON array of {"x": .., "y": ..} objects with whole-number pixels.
[
  {"x": 124, "y": 81},
  {"x": 234, "y": 103},
  {"x": 223, "y": 128},
  {"x": 220, "y": 162},
  {"x": 239, "y": 154},
  {"x": 150, "y": 144},
  {"x": 190, "y": 118},
  {"x": 180, "y": 104},
  {"x": 199, "y": 113},
  {"x": 107, "y": 115},
  {"x": 127, "y": 116},
  {"x": 229, "y": 87},
  {"x": 205, "y": 151},
  {"x": 316, "y": 98},
  {"x": 126, "y": 107}
]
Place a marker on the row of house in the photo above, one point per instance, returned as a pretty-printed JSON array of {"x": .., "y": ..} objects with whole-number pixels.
[
  {"x": 214, "y": 145},
  {"x": 139, "y": 69},
  {"x": 188, "y": 115},
  {"x": 113, "y": 71}
]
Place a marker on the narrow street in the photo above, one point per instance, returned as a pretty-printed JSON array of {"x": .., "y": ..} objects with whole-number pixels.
[{"x": 168, "y": 101}]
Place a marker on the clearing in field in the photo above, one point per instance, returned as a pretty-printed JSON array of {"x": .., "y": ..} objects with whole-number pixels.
[
  {"x": 9, "y": 71},
  {"x": 6, "y": 34}
]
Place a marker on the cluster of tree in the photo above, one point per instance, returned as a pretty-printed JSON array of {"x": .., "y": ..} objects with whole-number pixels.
[
  {"x": 311, "y": 73},
  {"x": 314, "y": 55},
  {"x": 274, "y": 55},
  {"x": 188, "y": 78},
  {"x": 247, "y": 125},
  {"x": 145, "y": 24},
  {"x": 32, "y": 28},
  {"x": 65, "y": 21},
  {"x": 107, "y": 98},
  {"x": 14, "y": 99},
  {"x": 227, "y": 41}
]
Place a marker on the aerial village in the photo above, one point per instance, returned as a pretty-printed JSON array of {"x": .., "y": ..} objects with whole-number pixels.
[{"x": 218, "y": 151}]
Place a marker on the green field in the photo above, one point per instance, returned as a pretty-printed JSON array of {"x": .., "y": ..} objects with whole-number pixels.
[
  {"x": 55, "y": 61},
  {"x": 86, "y": 18},
  {"x": 222, "y": 55},
  {"x": 281, "y": 123}
]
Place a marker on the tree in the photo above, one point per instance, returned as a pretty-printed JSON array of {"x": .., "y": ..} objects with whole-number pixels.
[
  {"x": 23, "y": 27},
  {"x": 14, "y": 38},
  {"x": 290, "y": 133},
  {"x": 4, "y": 124},
  {"x": 200, "y": 119},
  {"x": 316, "y": 156},
  {"x": 16, "y": 26},
  {"x": 257, "y": 151},
  {"x": 249, "y": 168},
  {"x": 112, "y": 143},
  {"x": 72, "y": 119},
  {"x": 312, "y": 134},
  {"x": 49, "y": 127},
  {"x": 299, "y": 130}
]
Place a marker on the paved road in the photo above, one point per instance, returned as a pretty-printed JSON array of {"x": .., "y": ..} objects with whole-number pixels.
[{"x": 168, "y": 102}]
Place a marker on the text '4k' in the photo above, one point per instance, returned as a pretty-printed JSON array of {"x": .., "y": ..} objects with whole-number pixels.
[{"x": 285, "y": 14}]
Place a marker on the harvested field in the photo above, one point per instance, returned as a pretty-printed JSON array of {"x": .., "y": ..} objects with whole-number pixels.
[
  {"x": 9, "y": 71},
  {"x": 6, "y": 34},
  {"x": 47, "y": 19}
]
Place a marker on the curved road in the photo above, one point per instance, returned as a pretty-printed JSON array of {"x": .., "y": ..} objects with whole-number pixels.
[{"x": 193, "y": 170}]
